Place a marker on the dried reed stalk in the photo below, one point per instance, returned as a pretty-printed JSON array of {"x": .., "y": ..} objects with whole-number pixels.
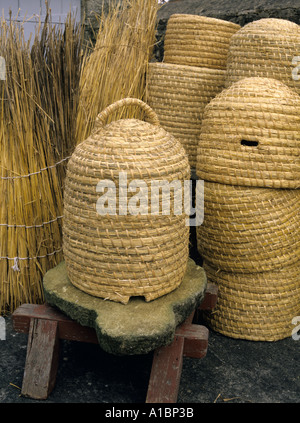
[
  {"x": 37, "y": 106},
  {"x": 58, "y": 54},
  {"x": 117, "y": 66}
]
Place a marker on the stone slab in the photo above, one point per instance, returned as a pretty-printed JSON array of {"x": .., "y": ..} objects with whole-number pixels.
[{"x": 135, "y": 328}]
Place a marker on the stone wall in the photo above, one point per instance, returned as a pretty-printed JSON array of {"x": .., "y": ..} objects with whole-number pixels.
[
  {"x": 238, "y": 11},
  {"x": 90, "y": 9}
]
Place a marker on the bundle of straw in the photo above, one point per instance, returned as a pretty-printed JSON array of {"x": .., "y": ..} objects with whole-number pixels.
[
  {"x": 49, "y": 87},
  {"x": 36, "y": 112},
  {"x": 117, "y": 66},
  {"x": 58, "y": 54}
]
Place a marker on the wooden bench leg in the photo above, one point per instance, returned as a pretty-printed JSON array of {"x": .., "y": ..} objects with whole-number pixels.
[
  {"x": 47, "y": 325},
  {"x": 166, "y": 372},
  {"x": 191, "y": 340},
  {"x": 210, "y": 299},
  {"x": 41, "y": 359},
  {"x": 195, "y": 340}
]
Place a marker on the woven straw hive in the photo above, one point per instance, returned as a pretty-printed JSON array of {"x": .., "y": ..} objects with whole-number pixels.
[
  {"x": 249, "y": 229},
  {"x": 179, "y": 94},
  {"x": 117, "y": 255},
  {"x": 248, "y": 156},
  {"x": 193, "y": 72},
  {"x": 198, "y": 41},
  {"x": 265, "y": 48},
  {"x": 250, "y": 136},
  {"x": 255, "y": 306}
]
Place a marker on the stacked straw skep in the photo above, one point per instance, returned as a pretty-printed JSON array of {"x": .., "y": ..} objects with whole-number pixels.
[
  {"x": 49, "y": 102},
  {"x": 115, "y": 255},
  {"x": 248, "y": 156},
  {"x": 179, "y": 94},
  {"x": 193, "y": 72},
  {"x": 265, "y": 48},
  {"x": 255, "y": 306},
  {"x": 250, "y": 136},
  {"x": 250, "y": 229},
  {"x": 198, "y": 41}
]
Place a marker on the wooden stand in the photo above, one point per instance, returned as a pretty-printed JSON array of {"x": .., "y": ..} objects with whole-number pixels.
[{"x": 46, "y": 325}]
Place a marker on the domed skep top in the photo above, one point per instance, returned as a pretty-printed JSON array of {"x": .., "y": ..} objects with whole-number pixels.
[
  {"x": 265, "y": 48},
  {"x": 250, "y": 136}
]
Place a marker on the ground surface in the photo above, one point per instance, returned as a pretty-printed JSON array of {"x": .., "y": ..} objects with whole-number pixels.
[{"x": 233, "y": 371}]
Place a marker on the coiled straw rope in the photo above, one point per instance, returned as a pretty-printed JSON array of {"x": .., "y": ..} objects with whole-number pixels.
[
  {"x": 116, "y": 256},
  {"x": 198, "y": 41},
  {"x": 265, "y": 48}
]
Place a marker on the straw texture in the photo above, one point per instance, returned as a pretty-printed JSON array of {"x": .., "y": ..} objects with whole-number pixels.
[
  {"x": 249, "y": 229},
  {"x": 38, "y": 102},
  {"x": 118, "y": 62},
  {"x": 250, "y": 136},
  {"x": 264, "y": 48},
  {"x": 179, "y": 94},
  {"x": 119, "y": 256},
  {"x": 198, "y": 41},
  {"x": 257, "y": 306}
]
